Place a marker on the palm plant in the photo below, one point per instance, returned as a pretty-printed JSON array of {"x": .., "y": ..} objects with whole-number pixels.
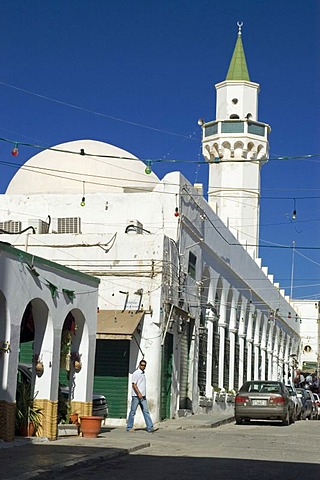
[{"x": 26, "y": 412}]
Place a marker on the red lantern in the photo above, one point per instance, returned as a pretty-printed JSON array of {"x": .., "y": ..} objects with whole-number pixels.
[
  {"x": 176, "y": 212},
  {"x": 15, "y": 151}
]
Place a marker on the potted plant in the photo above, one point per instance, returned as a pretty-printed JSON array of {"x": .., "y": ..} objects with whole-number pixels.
[
  {"x": 28, "y": 416},
  {"x": 67, "y": 420},
  {"x": 90, "y": 425}
]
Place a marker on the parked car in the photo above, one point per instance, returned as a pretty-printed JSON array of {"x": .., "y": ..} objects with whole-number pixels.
[
  {"x": 317, "y": 400},
  {"x": 307, "y": 407},
  {"x": 264, "y": 400},
  {"x": 99, "y": 402},
  {"x": 314, "y": 414},
  {"x": 296, "y": 400}
]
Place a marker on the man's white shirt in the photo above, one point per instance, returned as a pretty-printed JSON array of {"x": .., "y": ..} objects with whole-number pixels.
[{"x": 139, "y": 378}]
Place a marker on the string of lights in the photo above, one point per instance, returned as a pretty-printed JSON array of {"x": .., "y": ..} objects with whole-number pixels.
[{"x": 82, "y": 152}]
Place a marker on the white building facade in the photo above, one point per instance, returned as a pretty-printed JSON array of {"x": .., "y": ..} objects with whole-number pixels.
[
  {"x": 37, "y": 296},
  {"x": 181, "y": 281}
]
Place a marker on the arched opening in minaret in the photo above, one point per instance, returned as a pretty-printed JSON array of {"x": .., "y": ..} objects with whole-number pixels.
[{"x": 234, "y": 116}]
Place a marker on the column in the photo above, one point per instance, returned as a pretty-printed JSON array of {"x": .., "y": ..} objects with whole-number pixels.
[
  {"x": 242, "y": 337},
  {"x": 249, "y": 342},
  {"x": 263, "y": 348},
  {"x": 232, "y": 336},
  {"x": 275, "y": 356},
  {"x": 222, "y": 332},
  {"x": 209, "y": 324},
  {"x": 256, "y": 340}
]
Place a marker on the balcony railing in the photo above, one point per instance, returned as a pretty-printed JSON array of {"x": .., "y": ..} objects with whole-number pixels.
[{"x": 235, "y": 126}]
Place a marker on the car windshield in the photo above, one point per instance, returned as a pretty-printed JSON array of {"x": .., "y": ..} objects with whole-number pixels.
[
  {"x": 261, "y": 387},
  {"x": 291, "y": 391}
]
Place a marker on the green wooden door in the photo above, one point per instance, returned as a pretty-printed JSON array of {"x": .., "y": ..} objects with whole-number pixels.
[
  {"x": 111, "y": 375},
  {"x": 166, "y": 377}
]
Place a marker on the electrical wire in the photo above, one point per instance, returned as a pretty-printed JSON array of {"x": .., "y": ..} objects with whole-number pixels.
[{"x": 93, "y": 112}]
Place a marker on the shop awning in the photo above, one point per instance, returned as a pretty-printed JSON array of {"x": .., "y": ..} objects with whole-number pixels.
[{"x": 117, "y": 325}]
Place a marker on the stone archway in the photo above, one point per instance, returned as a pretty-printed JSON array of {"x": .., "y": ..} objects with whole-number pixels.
[
  {"x": 6, "y": 405},
  {"x": 74, "y": 365}
]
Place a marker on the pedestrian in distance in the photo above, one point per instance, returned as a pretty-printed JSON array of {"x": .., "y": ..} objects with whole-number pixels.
[
  {"x": 138, "y": 394},
  {"x": 299, "y": 380}
]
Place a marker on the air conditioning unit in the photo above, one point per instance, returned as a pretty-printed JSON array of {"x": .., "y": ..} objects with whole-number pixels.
[
  {"x": 138, "y": 226},
  {"x": 66, "y": 225},
  {"x": 11, "y": 226},
  {"x": 39, "y": 225}
]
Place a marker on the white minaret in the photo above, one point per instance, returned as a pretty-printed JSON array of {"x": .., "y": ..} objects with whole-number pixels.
[{"x": 236, "y": 145}]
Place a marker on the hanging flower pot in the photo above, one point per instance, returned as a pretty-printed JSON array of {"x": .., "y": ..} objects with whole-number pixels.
[
  {"x": 76, "y": 358},
  {"x": 39, "y": 368},
  {"x": 77, "y": 366},
  {"x": 90, "y": 426}
]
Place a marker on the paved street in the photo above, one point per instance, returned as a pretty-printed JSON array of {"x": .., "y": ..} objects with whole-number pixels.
[{"x": 260, "y": 450}]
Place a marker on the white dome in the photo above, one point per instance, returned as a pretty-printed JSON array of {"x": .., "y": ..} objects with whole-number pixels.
[{"x": 64, "y": 169}]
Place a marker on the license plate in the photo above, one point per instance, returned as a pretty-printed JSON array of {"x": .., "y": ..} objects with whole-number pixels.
[{"x": 259, "y": 402}]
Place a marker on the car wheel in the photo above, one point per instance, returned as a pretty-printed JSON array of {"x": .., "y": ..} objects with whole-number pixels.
[
  {"x": 293, "y": 417},
  {"x": 286, "y": 419},
  {"x": 238, "y": 420}
]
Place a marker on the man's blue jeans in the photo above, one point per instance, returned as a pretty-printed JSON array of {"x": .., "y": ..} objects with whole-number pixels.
[{"x": 144, "y": 407}]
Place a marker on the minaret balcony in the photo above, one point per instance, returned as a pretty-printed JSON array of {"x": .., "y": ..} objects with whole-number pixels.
[{"x": 235, "y": 126}]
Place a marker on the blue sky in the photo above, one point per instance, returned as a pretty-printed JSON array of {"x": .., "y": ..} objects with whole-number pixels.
[{"x": 140, "y": 74}]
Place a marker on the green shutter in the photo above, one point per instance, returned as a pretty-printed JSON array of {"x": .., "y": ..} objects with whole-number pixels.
[
  {"x": 111, "y": 375},
  {"x": 166, "y": 377},
  {"x": 26, "y": 352}
]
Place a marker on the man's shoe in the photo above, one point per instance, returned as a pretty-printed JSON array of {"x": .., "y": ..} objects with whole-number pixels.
[
  {"x": 153, "y": 430},
  {"x": 130, "y": 430}
]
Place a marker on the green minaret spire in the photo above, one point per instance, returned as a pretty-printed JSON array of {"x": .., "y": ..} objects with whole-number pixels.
[{"x": 238, "y": 69}]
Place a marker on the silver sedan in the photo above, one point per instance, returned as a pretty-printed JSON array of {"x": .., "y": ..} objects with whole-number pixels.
[{"x": 264, "y": 400}]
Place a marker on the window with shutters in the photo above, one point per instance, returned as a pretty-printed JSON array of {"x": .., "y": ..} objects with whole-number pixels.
[{"x": 192, "y": 265}]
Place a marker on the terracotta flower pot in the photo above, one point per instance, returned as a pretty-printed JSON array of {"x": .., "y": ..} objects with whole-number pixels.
[
  {"x": 90, "y": 426},
  {"x": 27, "y": 430}
]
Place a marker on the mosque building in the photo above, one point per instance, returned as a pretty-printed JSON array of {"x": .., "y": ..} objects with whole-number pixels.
[{"x": 181, "y": 282}]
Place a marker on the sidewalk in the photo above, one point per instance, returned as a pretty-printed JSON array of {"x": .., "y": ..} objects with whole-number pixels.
[{"x": 30, "y": 458}]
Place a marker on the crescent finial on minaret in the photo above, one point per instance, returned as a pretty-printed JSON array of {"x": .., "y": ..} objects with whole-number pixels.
[{"x": 239, "y": 28}]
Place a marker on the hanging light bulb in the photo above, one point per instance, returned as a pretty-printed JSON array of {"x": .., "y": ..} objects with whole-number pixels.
[
  {"x": 176, "y": 212},
  {"x": 294, "y": 213},
  {"x": 83, "y": 200},
  {"x": 15, "y": 150},
  {"x": 148, "y": 170}
]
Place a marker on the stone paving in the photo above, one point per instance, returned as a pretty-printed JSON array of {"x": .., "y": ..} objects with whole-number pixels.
[{"x": 30, "y": 458}]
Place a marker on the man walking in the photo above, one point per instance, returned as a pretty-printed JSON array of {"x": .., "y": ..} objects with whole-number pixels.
[{"x": 138, "y": 393}]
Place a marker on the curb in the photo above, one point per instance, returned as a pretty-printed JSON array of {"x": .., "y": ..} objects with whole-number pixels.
[
  {"x": 190, "y": 426},
  {"x": 222, "y": 422},
  {"x": 53, "y": 471}
]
